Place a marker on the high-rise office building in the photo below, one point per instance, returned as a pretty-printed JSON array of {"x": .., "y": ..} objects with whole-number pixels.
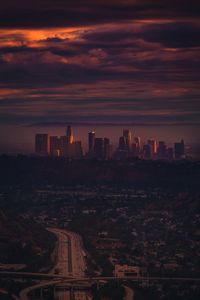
[
  {"x": 69, "y": 135},
  {"x": 137, "y": 141},
  {"x": 54, "y": 146},
  {"x": 162, "y": 150},
  {"x": 106, "y": 148},
  {"x": 170, "y": 153},
  {"x": 147, "y": 151},
  {"x": 179, "y": 150},
  {"x": 91, "y": 141},
  {"x": 42, "y": 144},
  {"x": 136, "y": 146},
  {"x": 98, "y": 148},
  {"x": 127, "y": 135},
  {"x": 63, "y": 146},
  {"x": 122, "y": 143},
  {"x": 153, "y": 147},
  {"x": 76, "y": 150},
  {"x": 135, "y": 150}
]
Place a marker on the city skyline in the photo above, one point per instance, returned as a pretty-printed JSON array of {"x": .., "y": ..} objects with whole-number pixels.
[
  {"x": 129, "y": 146},
  {"x": 103, "y": 62},
  {"x": 21, "y": 140}
]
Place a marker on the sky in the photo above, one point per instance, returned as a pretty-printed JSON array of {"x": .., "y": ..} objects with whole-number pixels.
[{"x": 98, "y": 62}]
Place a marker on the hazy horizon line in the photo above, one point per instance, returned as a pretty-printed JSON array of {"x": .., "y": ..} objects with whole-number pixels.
[{"x": 63, "y": 124}]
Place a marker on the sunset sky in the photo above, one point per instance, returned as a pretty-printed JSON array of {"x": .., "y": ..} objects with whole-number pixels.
[{"x": 113, "y": 61}]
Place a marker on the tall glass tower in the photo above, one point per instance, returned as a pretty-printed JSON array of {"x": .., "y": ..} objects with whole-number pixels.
[{"x": 69, "y": 135}]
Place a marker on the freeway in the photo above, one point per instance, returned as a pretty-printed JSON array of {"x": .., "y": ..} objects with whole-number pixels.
[
  {"x": 70, "y": 260},
  {"x": 70, "y": 269},
  {"x": 70, "y": 253},
  {"x": 81, "y": 295},
  {"x": 70, "y": 263},
  {"x": 135, "y": 279},
  {"x": 63, "y": 256},
  {"x": 32, "y": 275},
  {"x": 24, "y": 293},
  {"x": 63, "y": 259},
  {"x": 86, "y": 279},
  {"x": 78, "y": 263}
]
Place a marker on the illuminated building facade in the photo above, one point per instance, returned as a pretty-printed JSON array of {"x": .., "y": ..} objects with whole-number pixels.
[{"x": 91, "y": 142}]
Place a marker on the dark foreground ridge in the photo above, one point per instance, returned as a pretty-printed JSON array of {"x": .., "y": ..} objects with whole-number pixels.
[{"x": 34, "y": 171}]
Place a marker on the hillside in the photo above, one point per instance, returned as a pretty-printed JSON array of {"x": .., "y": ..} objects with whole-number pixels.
[{"x": 24, "y": 242}]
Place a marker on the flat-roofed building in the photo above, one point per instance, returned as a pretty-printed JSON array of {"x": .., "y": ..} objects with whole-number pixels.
[{"x": 126, "y": 271}]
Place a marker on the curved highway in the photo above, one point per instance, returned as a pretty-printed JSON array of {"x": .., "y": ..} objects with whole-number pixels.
[
  {"x": 70, "y": 269},
  {"x": 70, "y": 262}
]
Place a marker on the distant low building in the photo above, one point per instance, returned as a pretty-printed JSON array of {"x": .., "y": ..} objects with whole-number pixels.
[
  {"x": 108, "y": 244},
  {"x": 125, "y": 271}
]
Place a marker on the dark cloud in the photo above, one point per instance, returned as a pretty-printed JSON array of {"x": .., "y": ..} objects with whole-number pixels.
[
  {"x": 169, "y": 34},
  {"x": 134, "y": 60},
  {"x": 136, "y": 119},
  {"x": 47, "y": 75},
  {"x": 175, "y": 35},
  {"x": 66, "y": 16},
  {"x": 73, "y": 12}
]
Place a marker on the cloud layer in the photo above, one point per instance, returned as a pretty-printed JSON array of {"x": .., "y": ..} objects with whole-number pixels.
[{"x": 110, "y": 61}]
